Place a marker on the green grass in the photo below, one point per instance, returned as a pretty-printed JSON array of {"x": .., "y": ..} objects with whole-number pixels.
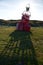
[{"x": 20, "y": 47}]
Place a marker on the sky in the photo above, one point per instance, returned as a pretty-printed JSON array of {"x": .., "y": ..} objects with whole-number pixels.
[{"x": 13, "y": 9}]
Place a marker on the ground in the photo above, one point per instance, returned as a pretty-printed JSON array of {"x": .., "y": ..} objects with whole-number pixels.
[{"x": 21, "y": 47}]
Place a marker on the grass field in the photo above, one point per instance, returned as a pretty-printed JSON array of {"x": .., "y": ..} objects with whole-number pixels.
[{"x": 20, "y": 47}]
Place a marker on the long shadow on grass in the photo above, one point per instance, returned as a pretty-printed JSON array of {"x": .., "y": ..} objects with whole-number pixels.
[{"x": 19, "y": 50}]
